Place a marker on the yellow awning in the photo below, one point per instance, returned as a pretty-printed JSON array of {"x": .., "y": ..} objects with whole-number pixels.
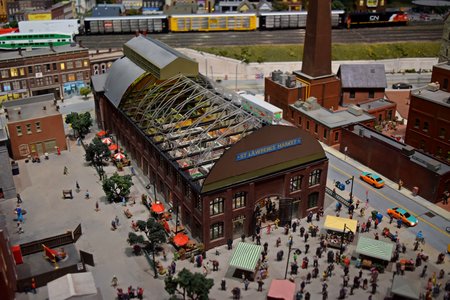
[{"x": 337, "y": 224}]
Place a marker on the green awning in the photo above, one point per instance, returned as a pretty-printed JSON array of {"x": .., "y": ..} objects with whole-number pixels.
[
  {"x": 404, "y": 287},
  {"x": 246, "y": 256},
  {"x": 375, "y": 248}
]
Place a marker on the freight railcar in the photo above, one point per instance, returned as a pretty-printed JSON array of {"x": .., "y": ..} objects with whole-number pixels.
[
  {"x": 130, "y": 24},
  {"x": 288, "y": 20},
  {"x": 366, "y": 19},
  {"x": 213, "y": 22}
]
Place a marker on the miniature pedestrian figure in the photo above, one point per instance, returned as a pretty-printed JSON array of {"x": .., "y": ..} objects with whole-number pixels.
[
  {"x": 374, "y": 287},
  {"x": 391, "y": 218},
  {"x": 357, "y": 203},
  {"x": 19, "y": 199},
  {"x": 268, "y": 229},
  {"x": 223, "y": 284},
  {"x": 96, "y": 206},
  {"x": 377, "y": 237},
  {"x": 315, "y": 261},
  {"x": 246, "y": 284},
  {"x": 260, "y": 284},
  {"x": 286, "y": 229},
  {"x": 266, "y": 247},
  {"x": 315, "y": 272},
  {"x": 342, "y": 293},
  {"x": 294, "y": 226},
  {"x": 258, "y": 239},
  {"x": 86, "y": 195},
  {"x": 114, "y": 281},
  {"x": 424, "y": 271},
  {"x": 33, "y": 285},
  {"x": 317, "y": 216},
  {"x": 351, "y": 290},
  {"x": 66, "y": 171},
  {"x": 346, "y": 280},
  {"x": 307, "y": 296},
  {"x": 400, "y": 184},
  {"x": 308, "y": 278},
  {"x": 403, "y": 248},
  {"x": 324, "y": 275},
  {"x": 365, "y": 283},
  {"x": 399, "y": 223},
  {"x": 346, "y": 270},
  {"x": 77, "y": 186},
  {"x": 306, "y": 248},
  {"x": 295, "y": 257},
  {"x": 302, "y": 231},
  {"x": 360, "y": 274},
  {"x": 278, "y": 243},
  {"x": 306, "y": 237},
  {"x": 19, "y": 228},
  {"x": 402, "y": 269},
  {"x": 302, "y": 286},
  {"x": 376, "y": 223},
  {"x": 117, "y": 220},
  {"x": 441, "y": 274},
  {"x": 113, "y": 225},
  {"x": 132, "y": 171},
  {"x": 164, "y": 255},
  {"x": 215, "y": 264},
  {"x": 416, "y": 245},
  {"x": 230, "y": 244},
  {"x": 173, "y": 266},
  {"x": 140, "y": 293},
  {"x": 324, "y": 295}
]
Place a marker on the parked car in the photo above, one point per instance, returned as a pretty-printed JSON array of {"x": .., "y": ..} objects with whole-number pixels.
[
  {"x": 402, "y": 214},
  {"x": 372, "y": 179},
  {"x": 401, "y": 86}
]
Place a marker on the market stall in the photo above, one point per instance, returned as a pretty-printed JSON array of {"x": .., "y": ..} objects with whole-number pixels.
[
  {"x": 339, "y": 230},
  {"x": 374, "y": 252},
  {"x": 245, "y": 260},
  {"x": 281, "y": 290},
  {"x": 405, "y": 288}
]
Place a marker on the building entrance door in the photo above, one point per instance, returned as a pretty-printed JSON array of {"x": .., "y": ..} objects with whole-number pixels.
[
  {"x": 266, "y": 211},
  {"x": 238, "y": 226}
]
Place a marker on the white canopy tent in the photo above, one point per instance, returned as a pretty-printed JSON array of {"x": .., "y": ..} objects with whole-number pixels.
[{"x": 73, "y": 286}]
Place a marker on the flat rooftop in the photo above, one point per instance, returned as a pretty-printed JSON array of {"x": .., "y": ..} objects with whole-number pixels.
[
  {"x": 375, "y": 104},
  {"x": 333, "y": 119},
  {"x": 41, "y": 52},
  {"x": 439, "y": 97},
  {"x": 31, "y": 108}
]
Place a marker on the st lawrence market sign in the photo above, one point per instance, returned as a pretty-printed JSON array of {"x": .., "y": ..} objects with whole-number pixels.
[{"x": 268, "y": 149}]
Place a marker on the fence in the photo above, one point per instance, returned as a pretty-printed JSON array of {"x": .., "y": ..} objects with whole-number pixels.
[{"x": 337, "y": 197}]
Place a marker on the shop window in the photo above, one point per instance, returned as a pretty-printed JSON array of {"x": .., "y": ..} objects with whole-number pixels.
[
  {"x": 417, "y": 123},
  {"x": 198, "y": 203},
  {"x": 62, "y": 66},
  {"x": 19, "y": 130},
  {"x": 55, "y": 68},
  {"x": 38, "y": 126},
  {"x": 216, "y": 206},
  {"x": 336, "y": 136},
  {"x": 371, "y": 94},
  {"x": 85, "y": 63},
  {"x": 295, "y": 183},
  {"x": 22, "y": 72},
  {"x": 314, "y": 177},
  {"x": 442, "y": 133},
  {"x": 216, "y": 231},
  {"x": 30, "y": 70},
  {"x": 352, "y": 94},
  {"x": 313, "y": 199},
  {"x": 316, "y": 128},
  {"x": 425, "y": 126},
  {"x": 28, "y": 128},
  {"x": 14, "y": 72},
  {"x": 239, "y": 200},
  {"x": 78, "y": 64}
]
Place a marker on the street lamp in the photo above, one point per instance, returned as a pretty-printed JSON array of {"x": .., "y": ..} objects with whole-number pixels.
[
  {"x": 289, "y": 256},
  {"x": 342, "y": 238},
  {"x": 237, "y": 65},
  {"x": 351, "y": 189}
]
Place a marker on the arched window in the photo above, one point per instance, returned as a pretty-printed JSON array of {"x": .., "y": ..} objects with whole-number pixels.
[
  {"x": 216, "y": 206},
  {"x": 295, "y": 183},
  {"x": 314, "y": 177},
  {"x": 239, "y": 200}
]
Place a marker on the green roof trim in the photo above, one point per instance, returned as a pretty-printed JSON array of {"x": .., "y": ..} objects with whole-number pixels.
[
  {"x": 262, "y": 172},
  {"x": 246, "y": 256},
  {"x": 375, "y": 248}
]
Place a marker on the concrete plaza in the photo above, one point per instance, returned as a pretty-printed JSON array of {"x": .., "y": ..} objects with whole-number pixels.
[{"x": 41, "y": 185}]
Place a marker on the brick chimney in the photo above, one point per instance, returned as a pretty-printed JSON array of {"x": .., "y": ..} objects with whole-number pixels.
[{"x": 317, "y": 50}]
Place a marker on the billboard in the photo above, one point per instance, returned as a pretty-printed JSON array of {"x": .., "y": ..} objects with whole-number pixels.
[{"x": 39, "y": 16}]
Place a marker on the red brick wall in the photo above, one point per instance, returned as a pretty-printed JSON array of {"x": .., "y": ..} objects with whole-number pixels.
[
  {"x": 7, "y": 269},
  {"x": 442, "y": 76},
  {"x": 361, "y": 95}
]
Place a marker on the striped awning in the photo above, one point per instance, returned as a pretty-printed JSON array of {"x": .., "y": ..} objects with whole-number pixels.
[
  {"x": 375, "y": 248},
  {"x": 246, "y": 256}
]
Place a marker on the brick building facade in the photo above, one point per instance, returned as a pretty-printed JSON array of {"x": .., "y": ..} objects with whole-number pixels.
[
  {"x": 58, "y": 70},
  {"x": 35, "y": 126},
  {"x": 428, "y": 126},
  {"x": 8, "y": 274}
]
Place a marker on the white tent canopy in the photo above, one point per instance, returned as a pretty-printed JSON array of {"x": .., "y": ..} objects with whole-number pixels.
[{"x": 73, "y": 286}]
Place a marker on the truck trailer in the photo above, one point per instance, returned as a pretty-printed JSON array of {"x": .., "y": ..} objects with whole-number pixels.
[
  {"x": 261, "y": 109},
  {"x": 69, "y": 26}
]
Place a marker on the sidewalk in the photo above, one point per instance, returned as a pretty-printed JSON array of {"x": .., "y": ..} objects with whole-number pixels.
[{"x": 445, "y": 213}]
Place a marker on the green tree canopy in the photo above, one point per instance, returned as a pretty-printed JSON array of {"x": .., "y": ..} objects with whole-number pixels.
[
  {"x": 155, "y": 232},
  {"x": 194, "y": 285},
  {"x": 116, "y": 187},
  {"x": 134, "y": 239},
  {"x": 80, "y": 122},
  {"x": 84, "y": 91},
  {"x": 96, "y": 152}
]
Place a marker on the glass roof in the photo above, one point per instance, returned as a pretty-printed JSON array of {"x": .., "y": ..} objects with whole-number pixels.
[{"x": 187, "y": 121}]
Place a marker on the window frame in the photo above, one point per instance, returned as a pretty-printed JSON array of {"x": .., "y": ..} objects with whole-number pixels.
[
  {"x": 216, "y": 206},
  {"x": 295, "y": 183},
  {"x": 314, "y": 177},
  {"x": 217, "y": 230},
  {"x": 239, "y": 200}
]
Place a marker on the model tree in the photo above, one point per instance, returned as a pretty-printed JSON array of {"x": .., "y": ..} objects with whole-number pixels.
[
  {"x": 156, "y": 235},
  {"x": 193, "y": 285},
  {"x": 97, "y": 152},
  {"x": 85, "y": 91},
  {"x": 80, "y": 122},
  {"x": 117, "y": 187}
]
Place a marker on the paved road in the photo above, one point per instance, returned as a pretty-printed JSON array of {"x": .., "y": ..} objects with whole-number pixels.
[
  {"x": 428, "y": 32},
  {"x": 432, "y": 226}
]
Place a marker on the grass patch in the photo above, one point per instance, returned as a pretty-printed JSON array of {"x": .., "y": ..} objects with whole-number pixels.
[{"x": 279, "y": 53}]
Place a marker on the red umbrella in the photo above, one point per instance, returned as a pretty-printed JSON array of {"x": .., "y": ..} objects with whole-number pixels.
[
  {"x": 101, "y": 133},
  {"x": 113, "y": 147},
  {"x": 158, "y": 207},
  {"x": 180, "y": 239},
  {"x": 107, "y": 141},
  {"x": 119, "y": 156}
]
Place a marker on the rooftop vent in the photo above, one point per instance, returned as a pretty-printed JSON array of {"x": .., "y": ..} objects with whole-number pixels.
[
  {"x": 433, "y": 86},
  {"x": 355, "y": 110}
]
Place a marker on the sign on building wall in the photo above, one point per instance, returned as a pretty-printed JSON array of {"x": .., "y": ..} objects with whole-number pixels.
[
  {"x": 268, "y": 149},
  {"x": 39, "y": 17}
]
